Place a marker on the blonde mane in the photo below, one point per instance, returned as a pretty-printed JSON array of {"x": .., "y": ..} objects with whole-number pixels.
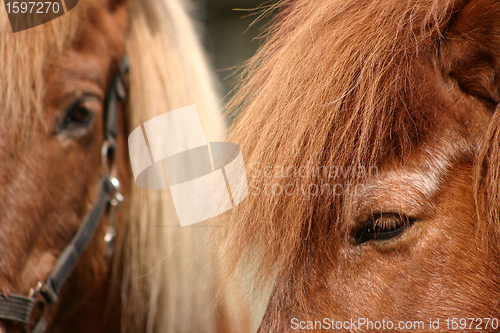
[
  {"x": 164, "y": 262},
  {"x": 164, "y": 285}
]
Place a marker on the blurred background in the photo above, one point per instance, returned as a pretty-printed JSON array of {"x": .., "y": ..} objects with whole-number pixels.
[{"x": 229, "y": 35}]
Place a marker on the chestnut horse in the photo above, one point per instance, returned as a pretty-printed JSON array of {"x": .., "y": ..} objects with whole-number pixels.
[
  {"x": 55, "y": 82},
  {"x": 371, "y": 136}
]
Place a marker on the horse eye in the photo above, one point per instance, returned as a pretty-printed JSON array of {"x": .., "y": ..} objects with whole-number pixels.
[
  {"x": 79, "y": 114},
  {"x": 383, "y": 226}
]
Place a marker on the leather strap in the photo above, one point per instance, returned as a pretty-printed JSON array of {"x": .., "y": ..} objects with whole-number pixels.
[
  {"x": 69, "y": 257},
  {"x": 19, "y": 308},
  {"x": 16, "y": 308}
]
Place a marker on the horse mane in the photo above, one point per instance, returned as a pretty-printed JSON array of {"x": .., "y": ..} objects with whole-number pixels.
[
  {"x": 165, "y": 273},
  {"x": 344, "y": 84},
  {"x": 164, "y": 282}
]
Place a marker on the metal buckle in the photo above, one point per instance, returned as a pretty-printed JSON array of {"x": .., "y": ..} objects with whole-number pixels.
[
  {"x": 38, "y": 313},
  {"x": 107, "y": 151},
  {"x": 116, "y": 199}
]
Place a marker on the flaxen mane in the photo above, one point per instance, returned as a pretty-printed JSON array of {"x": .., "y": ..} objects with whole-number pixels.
[
  {"x": 164, "y": 286},
  {"x": 162, "y": 259},
  {"x": 350, "y": 85}
]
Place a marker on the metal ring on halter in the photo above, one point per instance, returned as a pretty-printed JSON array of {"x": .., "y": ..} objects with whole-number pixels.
[
  {"x": 39, "y": 310},
  {"x": 116, "y": 199},
  {"x": 107, "y": 152}
]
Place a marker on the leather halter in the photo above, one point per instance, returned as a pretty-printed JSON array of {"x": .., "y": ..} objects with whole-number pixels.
[{"x": 29, "y": 311}]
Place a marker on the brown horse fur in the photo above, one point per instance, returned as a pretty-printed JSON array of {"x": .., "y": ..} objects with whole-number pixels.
[
  {"x": 398, "y": 97},
  {"x": 49, "y": 179}
]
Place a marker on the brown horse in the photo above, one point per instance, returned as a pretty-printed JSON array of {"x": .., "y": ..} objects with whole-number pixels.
[
  {"x": 54, "y": 85},
  {"x": 371, "y": 136}
]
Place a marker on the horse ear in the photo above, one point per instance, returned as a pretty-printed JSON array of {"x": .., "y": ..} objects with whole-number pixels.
[{"x": 471, "y": 50}]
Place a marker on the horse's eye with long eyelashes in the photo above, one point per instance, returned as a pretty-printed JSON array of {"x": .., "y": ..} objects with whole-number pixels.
[
  {"x": 383, "y": 226},
  {"x": 80, "y": 114}
]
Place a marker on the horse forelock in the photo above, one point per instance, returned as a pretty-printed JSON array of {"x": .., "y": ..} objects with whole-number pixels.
[
  {"x": 24, "y": 56},
  {"x": 28, "y": 56},
  {"x": 347, "y": 85}
]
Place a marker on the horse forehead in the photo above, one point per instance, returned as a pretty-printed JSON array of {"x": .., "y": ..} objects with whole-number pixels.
[
  {"x": 409, "y": 188},
  {"x": 453, "y": 137}
]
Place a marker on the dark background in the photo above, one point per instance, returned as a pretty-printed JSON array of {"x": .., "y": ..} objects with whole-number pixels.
[{"x": 228, "y": 36}]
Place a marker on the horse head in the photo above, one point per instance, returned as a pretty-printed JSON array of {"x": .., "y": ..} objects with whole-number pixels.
[
  {"x": 68, "y": 104},
  {"x": 370, "y": 130}
]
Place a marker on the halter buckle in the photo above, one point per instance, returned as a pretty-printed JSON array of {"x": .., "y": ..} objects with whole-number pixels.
[
  {"x": 38, "y": 313},
  {"x": 107, "y": 151},
  {"x": 116, "y": 199}
]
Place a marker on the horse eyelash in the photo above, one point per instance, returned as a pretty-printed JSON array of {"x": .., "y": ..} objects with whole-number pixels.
[{"x": 382, "y": 226}]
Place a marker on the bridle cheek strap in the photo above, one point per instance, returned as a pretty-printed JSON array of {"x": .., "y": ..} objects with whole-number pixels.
[
  {"x": 69, "y": 257},
  {"x": 19, "y": 308},
  {"x": 29, "y": 311}
]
